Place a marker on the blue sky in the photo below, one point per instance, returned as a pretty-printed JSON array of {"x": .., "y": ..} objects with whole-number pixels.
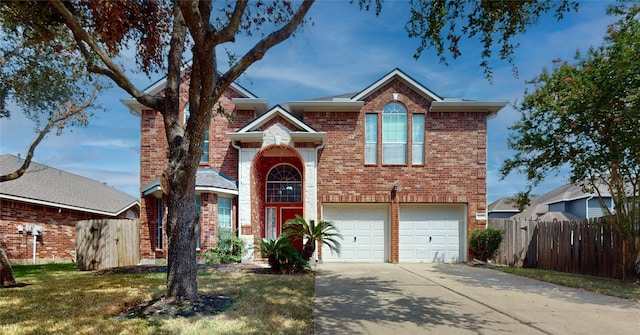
[{"x": 343, "y": 51}]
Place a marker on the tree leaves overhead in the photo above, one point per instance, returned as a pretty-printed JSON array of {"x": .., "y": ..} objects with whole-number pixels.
[
  {"x": 585, "y": 116},
  {"x": 441, "y": 25},
  {"x": 118, "y": 24},
  {"x": 40, "y": 69}
]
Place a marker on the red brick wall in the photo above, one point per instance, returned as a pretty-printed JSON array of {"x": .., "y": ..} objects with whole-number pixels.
[
  {"x": 58, "y": 240},
  {"x": 455, "y": 155},
  {"x": 222, "y": 156}
]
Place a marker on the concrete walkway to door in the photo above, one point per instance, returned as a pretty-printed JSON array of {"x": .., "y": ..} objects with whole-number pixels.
[{"x": 402, "y": 299}]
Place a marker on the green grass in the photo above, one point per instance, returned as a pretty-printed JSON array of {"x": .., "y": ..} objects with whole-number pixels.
[
  {"x": 600, "y": 285},
  {"x": 58, "y": 299}
]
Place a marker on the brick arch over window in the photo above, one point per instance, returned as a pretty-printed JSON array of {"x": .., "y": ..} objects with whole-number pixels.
[{"x": 263, "y": 162}]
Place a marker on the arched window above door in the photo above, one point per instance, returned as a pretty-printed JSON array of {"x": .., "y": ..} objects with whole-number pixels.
[{"x": 284, "y": 184}]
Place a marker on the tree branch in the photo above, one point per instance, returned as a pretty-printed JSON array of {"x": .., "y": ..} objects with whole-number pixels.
[
  {"x": 228, "y": 33},
  {"x": 257, "y": 52},
  {"x": 68, "y": 110},
  {"x": 114, "y": 71}
]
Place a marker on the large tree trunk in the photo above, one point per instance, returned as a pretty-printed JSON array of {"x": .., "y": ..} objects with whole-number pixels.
[
  {"x": 182, "y": 233},
  {"x": 6, "y": 272}
]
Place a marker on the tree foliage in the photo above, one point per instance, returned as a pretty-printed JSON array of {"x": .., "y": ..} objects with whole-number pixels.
[
  {"x": 585, "y": 116},
  {"x": 42, "y": 73},
  {"x": 441, "y": 25}
]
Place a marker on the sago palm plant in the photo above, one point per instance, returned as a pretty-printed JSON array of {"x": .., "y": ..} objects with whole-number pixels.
[{"x": 323, "y": 232}]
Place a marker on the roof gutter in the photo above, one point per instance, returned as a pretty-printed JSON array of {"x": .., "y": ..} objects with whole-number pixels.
[{"x": 74, "y": 208}]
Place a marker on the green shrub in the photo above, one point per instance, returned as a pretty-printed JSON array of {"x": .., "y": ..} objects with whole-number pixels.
[
  {"x": 282, "y": 256},
  {"x": 230, "y": 250},
  {"x": 485, "y": 242}
]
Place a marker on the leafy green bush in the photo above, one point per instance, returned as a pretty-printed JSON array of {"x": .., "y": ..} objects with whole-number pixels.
[
  {"x": 230, "y": 250},
  {"x": 282, "y": 256},
  {"x": 485, "y": 242}
]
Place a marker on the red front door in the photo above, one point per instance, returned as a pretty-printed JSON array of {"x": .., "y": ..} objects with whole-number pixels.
[{"x": 288, "y": 214}]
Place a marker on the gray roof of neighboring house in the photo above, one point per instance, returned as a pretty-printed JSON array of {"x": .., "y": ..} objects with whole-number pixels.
[
  {"x": 572, "y": 192},
  {"x": 210, "y": 180},
  {"x": 505, "y": 205},
  {"x": 557, "y": 216},
  {"x": 48, "y": 186},
  {"x": 540, "y": 206}
]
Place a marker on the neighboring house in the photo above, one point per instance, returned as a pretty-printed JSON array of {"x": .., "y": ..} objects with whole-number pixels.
[
  {"x": 46, "y": 203},
  {"x": 567, "y": 202},
  {"x": 398, "y": 169},
  {"x": 504, "y": 208}
]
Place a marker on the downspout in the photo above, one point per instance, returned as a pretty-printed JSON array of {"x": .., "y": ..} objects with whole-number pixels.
[{"x": 587, "y": 207}]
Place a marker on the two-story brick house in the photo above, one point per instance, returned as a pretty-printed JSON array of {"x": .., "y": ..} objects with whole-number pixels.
[{"x": 400, "y": 170}]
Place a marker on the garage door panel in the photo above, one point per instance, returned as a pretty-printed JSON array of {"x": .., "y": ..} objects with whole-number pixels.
[
  {"x": 363, "y": 230},
  {"x": 431, "y": 233}
]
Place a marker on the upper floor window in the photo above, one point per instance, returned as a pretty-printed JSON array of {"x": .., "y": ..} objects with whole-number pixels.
[
  {"x": 284, "y": 184},
  {"x": 417, "y": 143},
  {"x": 205, "y": 152},
  {"x": 371, "y": 139},
  {"x": 394, "y": 134}
]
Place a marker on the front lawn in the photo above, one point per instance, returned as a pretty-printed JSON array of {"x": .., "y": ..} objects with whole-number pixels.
[
  {"x": 600, "y": 285},
  {"x": 60, "y": 300}
]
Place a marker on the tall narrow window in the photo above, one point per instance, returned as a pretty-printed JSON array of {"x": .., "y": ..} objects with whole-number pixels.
[
  {"x": 160, "y": 219},
  {"x": 417, "y": 130},
  {"x": 224, "y": 218},
  {"x": 205, "y": 145},
  {"x": 394, "y": 134},
  {"x": 270, "y": 224},
  {"x": 205, "y": 148},
  {"x": 198, "y": 200},
  {"x": 371, "y": 139}
]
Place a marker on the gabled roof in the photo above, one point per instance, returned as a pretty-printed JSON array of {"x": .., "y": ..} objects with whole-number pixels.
[
  {"x": 47, "y": 186},
  {"x": 207, "y": 180},
  {"x": 572, "y": 192},
  {"x": 403, "y": 77},
  {"x": 252, "y": 131},
  {"x": 354, "y": 102},
  {"x": 248, "y": 100}
]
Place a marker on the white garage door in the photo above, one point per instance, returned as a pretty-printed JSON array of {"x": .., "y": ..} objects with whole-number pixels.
[
  {"x": 432, "y": 234},
  {"x": 363, "y": 229}
]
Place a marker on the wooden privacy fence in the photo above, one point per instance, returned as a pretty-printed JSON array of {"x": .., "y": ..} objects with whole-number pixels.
[
  {"x": 105, "y": 243},
  {"x": 578, "y": 246}
]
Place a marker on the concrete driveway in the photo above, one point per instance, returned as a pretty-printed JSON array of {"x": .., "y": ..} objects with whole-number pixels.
[{"x": 405, "y": 299}]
